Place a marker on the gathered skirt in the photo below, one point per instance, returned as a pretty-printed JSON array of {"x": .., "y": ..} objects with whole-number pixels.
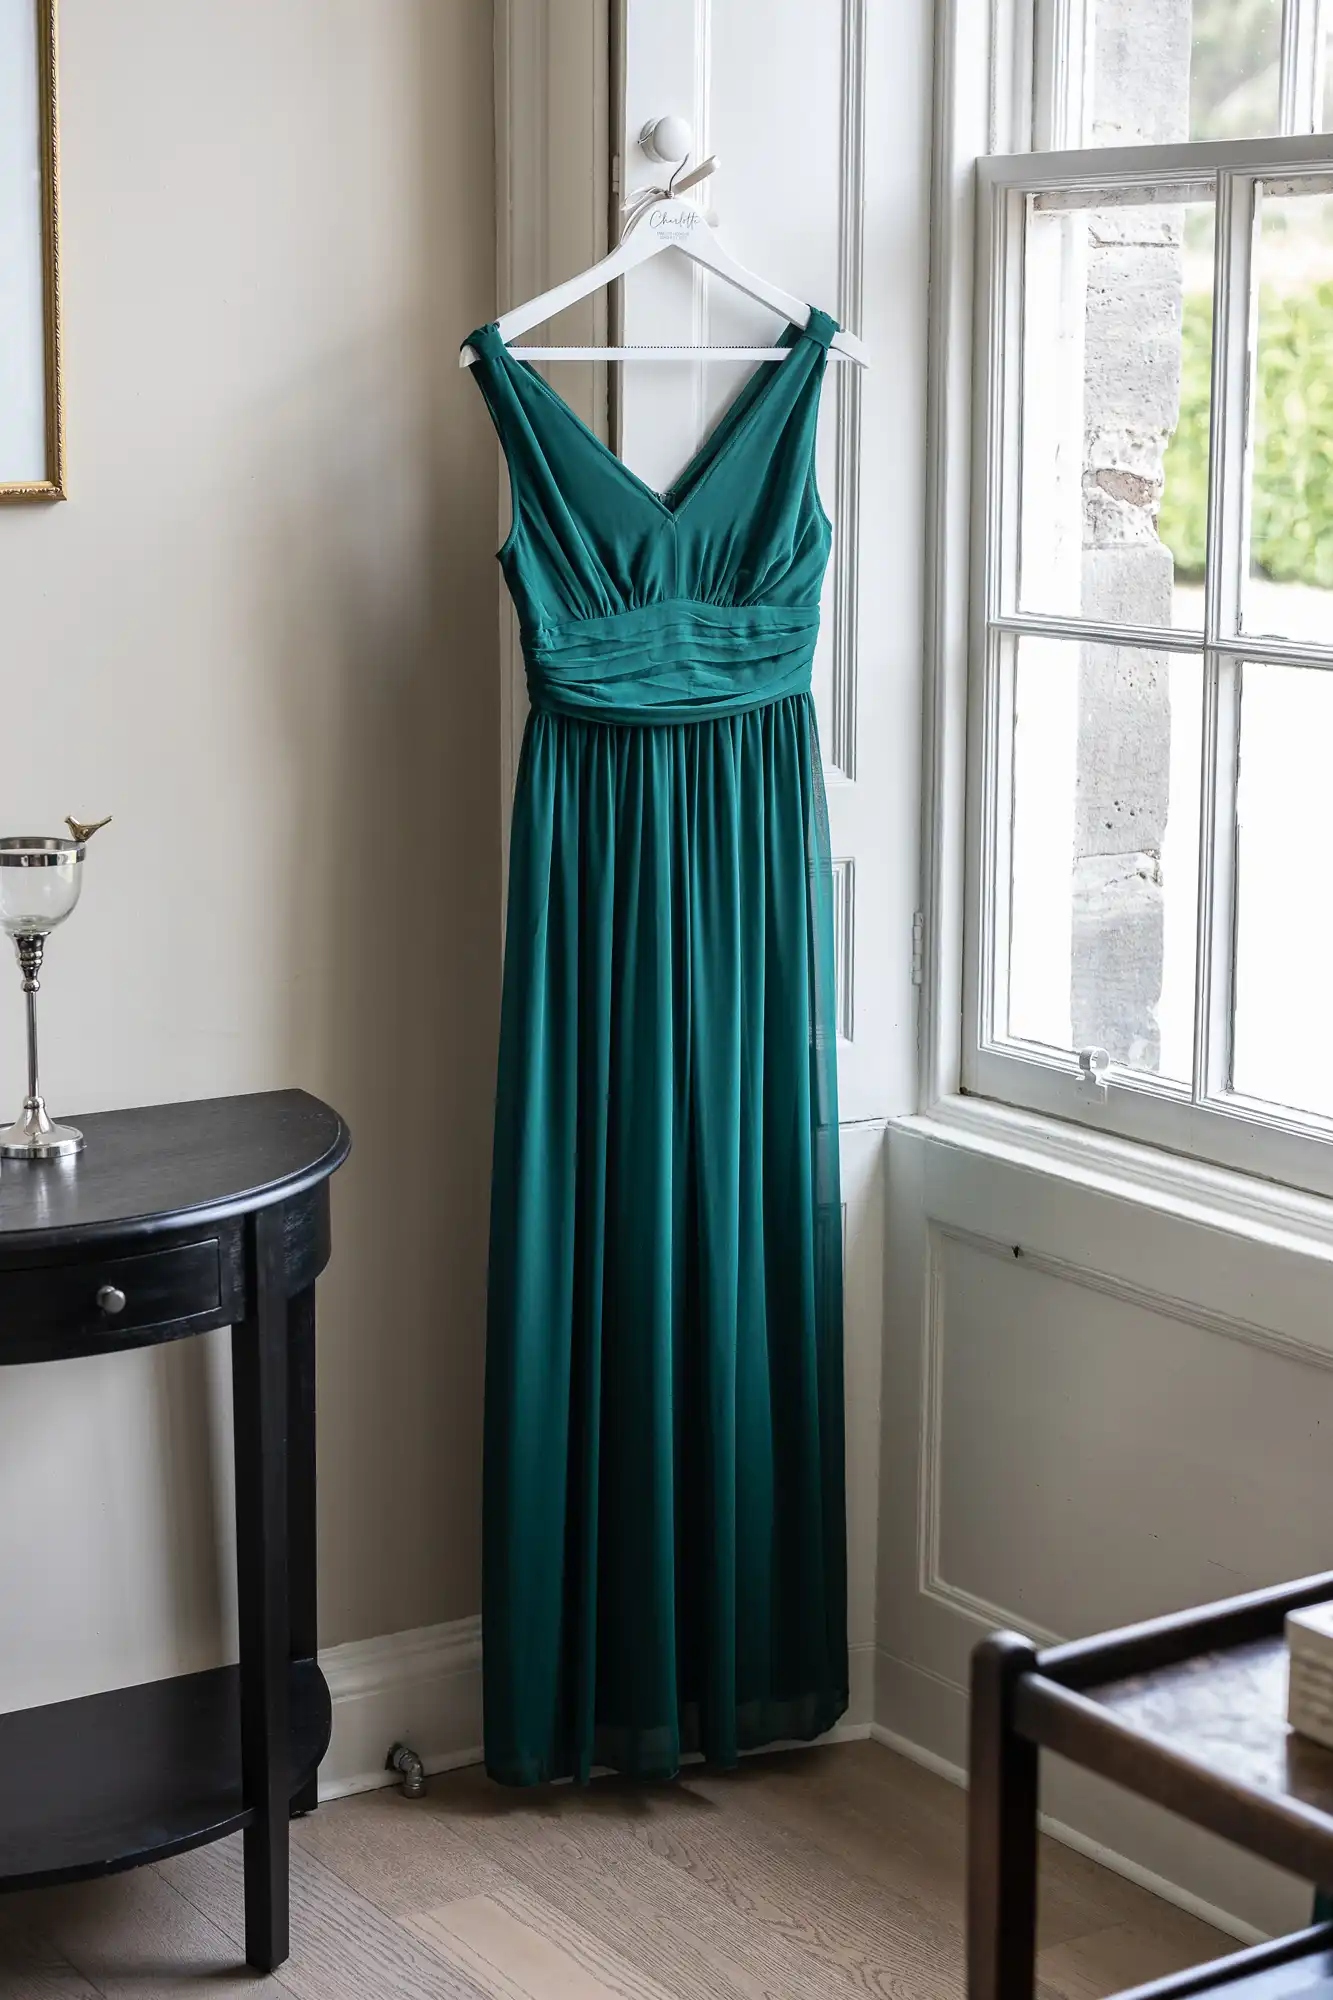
[{"x": 664, "y": 1512}]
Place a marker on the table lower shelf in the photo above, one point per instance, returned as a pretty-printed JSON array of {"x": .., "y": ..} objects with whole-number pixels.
[
  {"x": 113, "y": 1780},
  {"x": 1299, "y": 1967}
]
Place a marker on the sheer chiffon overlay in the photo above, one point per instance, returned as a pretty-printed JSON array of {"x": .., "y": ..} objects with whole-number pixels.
[{"x": 665, "y": 1565}]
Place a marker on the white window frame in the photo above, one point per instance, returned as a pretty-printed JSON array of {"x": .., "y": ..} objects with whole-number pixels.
[
  {"x": 989, "y": 96},
  {"x": 1205, "y": 1117}
]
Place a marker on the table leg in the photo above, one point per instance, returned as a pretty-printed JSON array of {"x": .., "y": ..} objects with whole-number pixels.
[
  {"x": 259, "y": 1389},
  {"x": 1001, "y": 1829},
  {"x": 302, "y": 1539}
]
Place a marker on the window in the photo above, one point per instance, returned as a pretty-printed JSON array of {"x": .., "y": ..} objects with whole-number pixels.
[
  {"x": 1153, "y": 72},
  {"x": 1151, "y": 857}
]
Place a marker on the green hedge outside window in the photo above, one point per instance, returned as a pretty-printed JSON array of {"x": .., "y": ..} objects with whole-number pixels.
[{"x": 1292, "y": 523}]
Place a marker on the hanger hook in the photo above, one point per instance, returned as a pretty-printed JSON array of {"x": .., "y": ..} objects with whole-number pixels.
[{"x": 675, "y": 175}]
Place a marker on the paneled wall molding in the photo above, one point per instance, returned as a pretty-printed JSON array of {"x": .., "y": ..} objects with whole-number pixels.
[
  {"x": 847, "y": 390},
  {"x": 984, "y": 1615},
  {"x": 844, "y": 945},
  {"x": 703, "y": 122},
  {"x": 1170, "y": 1305},
  {"x": 1127, "y": 1413},
  {"x": 1218, "y": 1198},
  {"x": 931, "y": 1580}
]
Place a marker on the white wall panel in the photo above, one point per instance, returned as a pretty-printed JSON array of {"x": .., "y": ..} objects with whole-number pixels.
[
  {"x": 822, "y": 187},
  {"x": 1093, "y": 1411},
  {"x": 1097, "y": 1461}
]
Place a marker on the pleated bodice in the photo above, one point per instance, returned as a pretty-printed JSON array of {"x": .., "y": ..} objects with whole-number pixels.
[{"x": 665, "y": 607}]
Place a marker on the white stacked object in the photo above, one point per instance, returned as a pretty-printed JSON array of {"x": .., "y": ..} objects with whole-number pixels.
[{"x": 1310, "y": 1688}]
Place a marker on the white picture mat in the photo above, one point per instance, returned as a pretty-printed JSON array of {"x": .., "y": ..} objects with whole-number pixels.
[{"x": 22, "y": 294}]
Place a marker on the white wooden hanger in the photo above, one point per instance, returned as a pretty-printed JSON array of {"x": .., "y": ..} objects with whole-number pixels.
[{"x": 659, "y": 220}]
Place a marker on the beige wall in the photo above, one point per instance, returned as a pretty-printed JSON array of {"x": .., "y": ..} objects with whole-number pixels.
[{"x": 262, "y": 634}]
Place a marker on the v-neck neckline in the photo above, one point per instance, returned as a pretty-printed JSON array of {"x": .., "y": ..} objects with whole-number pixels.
[{"x": 694, "y": 473}]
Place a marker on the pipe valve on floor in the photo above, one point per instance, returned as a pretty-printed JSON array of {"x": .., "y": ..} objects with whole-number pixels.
[{"x": 411, "y": 1769}]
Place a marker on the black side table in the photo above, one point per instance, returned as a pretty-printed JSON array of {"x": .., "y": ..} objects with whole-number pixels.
[{"x": 177, "y": 1218}]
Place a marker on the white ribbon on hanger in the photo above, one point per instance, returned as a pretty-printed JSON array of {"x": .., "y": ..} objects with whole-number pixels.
[{"x": 642, "y": 198}]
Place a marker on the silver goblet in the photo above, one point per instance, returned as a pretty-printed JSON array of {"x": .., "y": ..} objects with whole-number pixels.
[{"x": 40, "y": 881}]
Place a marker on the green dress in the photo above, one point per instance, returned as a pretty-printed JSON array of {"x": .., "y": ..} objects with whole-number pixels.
[{"x": 664, "y": 1517}]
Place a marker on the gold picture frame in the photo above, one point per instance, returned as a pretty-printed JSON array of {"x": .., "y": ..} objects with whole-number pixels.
[{"x": 51, "y": 486}]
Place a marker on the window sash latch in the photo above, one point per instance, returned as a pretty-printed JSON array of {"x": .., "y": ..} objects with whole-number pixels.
[{"x": 1093, "y": 1063}]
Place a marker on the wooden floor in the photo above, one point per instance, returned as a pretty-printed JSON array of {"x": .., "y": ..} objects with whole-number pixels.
[{"x": 805, "y": 1875}]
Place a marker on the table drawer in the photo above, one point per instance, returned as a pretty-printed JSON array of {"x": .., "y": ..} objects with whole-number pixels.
[{"x": 112, "y": 1296}]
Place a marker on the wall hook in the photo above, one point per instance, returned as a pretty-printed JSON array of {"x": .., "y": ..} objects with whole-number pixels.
[{"x": 669, "y": 141}]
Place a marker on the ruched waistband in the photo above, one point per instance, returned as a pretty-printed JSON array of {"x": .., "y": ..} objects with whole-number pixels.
[{"x": 674, "y": 662}]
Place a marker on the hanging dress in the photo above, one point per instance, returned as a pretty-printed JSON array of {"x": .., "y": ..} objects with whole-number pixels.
[{"x": 664, "y": 1514}]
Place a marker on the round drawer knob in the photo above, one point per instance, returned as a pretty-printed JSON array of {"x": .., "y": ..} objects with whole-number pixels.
[{"x": 111, "y": 1299}]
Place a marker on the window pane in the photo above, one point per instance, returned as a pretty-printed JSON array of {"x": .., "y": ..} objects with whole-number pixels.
[
  {"x": 1103, "y": 852},
  {"x": 1235, "y": 68},
  {"x": 1284, "y": 940},
  {"x": 1114, "y": 416},
  {"x": 1290, "y": 587},
  {"x": 1162, "y": 70}
]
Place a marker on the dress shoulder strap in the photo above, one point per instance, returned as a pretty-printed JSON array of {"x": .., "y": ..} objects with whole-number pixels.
[
  {"x": 495, "y": 380},
  {"x": 539, "y": 488},
  {"x": 772, "y": 422},
  {"x": 821, "y": 327}
]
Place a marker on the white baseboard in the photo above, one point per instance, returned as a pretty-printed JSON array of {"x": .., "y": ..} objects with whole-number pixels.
[
  {"x": 1069, "y": 1836},
  {"x": 421, "y": 1688},
  {"x": 924, "y": 1717},
  {"x": 916, "y": 1753}
]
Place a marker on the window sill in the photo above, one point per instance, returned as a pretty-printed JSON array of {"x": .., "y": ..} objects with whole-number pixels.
[{"x": 1242, "y": 1205}]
